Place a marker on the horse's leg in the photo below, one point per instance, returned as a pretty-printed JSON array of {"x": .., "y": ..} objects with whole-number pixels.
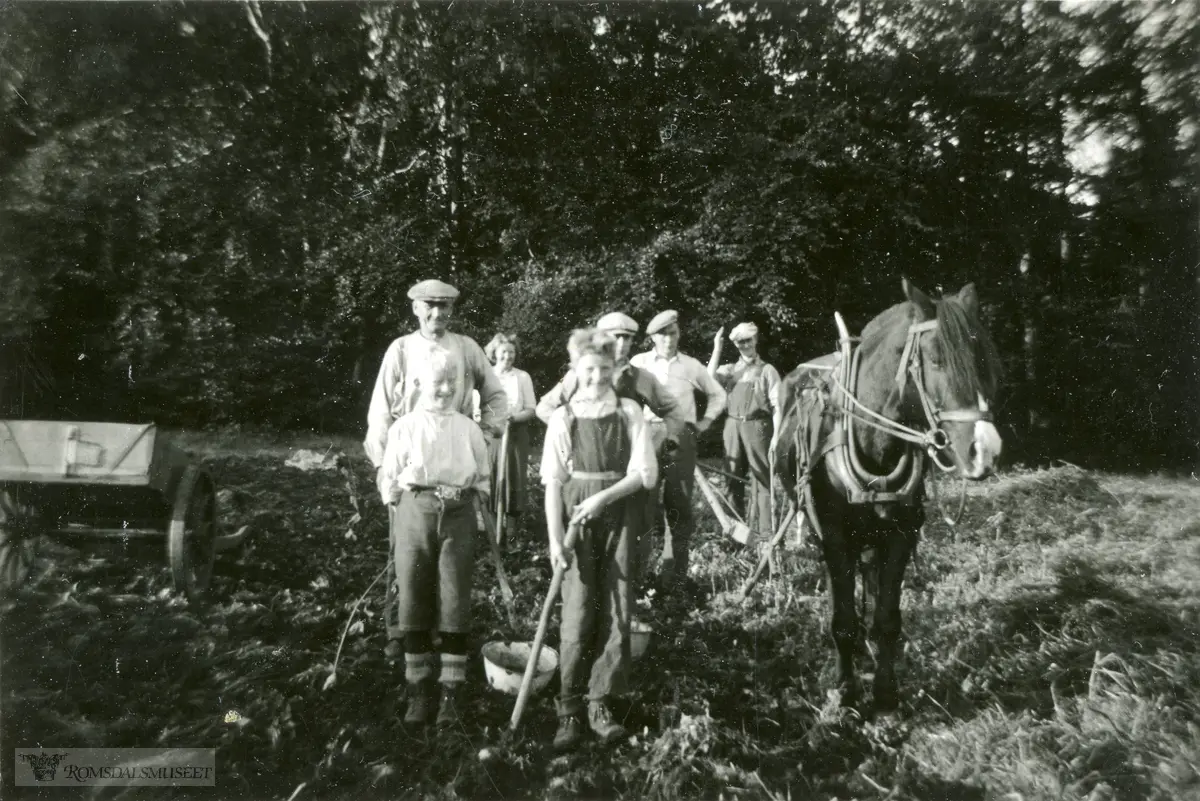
[
  {"x": 840, "y": 559},
  {"x": 892, "y": 557}
]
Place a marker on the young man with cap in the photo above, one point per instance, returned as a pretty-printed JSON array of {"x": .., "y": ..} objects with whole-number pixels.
[
  {"x": 638, "y": 385},
  {"x": 683, "y": 376},
  {"x": 396, "y": 389},
  {"x": 753, "y": 415}
]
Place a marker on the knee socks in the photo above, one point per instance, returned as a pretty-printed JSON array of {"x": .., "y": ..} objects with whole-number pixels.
[{"x": 419, "y": 657}]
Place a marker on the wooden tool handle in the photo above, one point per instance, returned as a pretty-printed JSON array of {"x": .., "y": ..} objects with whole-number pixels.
[
  {"x": 543, "y": 622},
  {"x": 711, "y": 497},
  {"x": 766, "y": 555},
  {"x": 492, "y": 535}
]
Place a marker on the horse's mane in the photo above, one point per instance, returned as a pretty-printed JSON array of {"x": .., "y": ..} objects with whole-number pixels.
[{"x": 968, "y": 355}]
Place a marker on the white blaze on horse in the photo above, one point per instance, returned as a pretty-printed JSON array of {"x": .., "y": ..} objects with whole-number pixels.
[{"x": 859, "y": 431}]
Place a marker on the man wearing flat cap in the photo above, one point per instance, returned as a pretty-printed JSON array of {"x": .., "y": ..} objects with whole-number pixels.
[
  {"x": 395, "y": 390},
  {"x": 638, "y": 385},
  {"x": 753, "y": 417},
  {"x": 683, "y": 376}
]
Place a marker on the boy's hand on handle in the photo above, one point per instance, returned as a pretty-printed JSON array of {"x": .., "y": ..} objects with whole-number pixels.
[
  {"x": 560, "y": 559},
  {"x": 589, "y": 509}
]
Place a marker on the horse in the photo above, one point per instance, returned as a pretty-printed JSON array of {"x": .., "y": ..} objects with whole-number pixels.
[{"x": 859, "y": 431}]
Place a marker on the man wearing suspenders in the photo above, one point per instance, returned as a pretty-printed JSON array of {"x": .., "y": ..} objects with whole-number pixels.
[{"x": 753, "y": 417}]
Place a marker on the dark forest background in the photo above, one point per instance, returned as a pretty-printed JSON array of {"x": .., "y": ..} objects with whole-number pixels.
[{"x": 211, "y": 211}]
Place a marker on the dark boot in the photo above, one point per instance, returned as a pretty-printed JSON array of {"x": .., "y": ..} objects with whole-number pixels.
[
  {"x": 601, "y": 720},
  {"x": 394, "y": 650},
  {"x": 570, "y": 732},
  {"x": 420, "y": 703},
  {"x": 447, "y": 716}
]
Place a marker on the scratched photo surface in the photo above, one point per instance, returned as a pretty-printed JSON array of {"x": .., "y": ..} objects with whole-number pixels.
[{"x": 872, "y": 476}]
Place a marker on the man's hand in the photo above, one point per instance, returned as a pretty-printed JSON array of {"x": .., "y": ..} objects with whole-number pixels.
[
  {"x": 704, "y": 424},
  {"x": 719, "y": 337}
]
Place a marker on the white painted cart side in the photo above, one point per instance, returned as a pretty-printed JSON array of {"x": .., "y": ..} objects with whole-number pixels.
[{"x": 45, "y": 453}]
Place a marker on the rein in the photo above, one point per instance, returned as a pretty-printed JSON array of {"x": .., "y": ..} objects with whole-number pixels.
[{"x": 934, "y": 439}]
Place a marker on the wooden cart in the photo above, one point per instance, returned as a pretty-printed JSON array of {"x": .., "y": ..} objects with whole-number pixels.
[{"x": 108, "y": 481}]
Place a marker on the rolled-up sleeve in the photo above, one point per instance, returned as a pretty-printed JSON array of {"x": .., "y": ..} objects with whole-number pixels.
[
  {"x": 379, "y": 414},
  {"x": 556, "y": 452},
  {"x": 725, "y": 377},
  {"x": 551, "y": 401},
  {"x": 770, "y": 379},
  {"x": 642, "y": 461}
]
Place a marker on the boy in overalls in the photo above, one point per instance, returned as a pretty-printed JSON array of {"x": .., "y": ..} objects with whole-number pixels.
[
  {"x": 752, "y": 386},
  {"x": 597, "y": 459},
  {"x": 435, "y": 460},
  {"x": 642, "y": 387}
]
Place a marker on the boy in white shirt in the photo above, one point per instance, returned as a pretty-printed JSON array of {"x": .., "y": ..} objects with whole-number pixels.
[{"x": 434, "y": 462}]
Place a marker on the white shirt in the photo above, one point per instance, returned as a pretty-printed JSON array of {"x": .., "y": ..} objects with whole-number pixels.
[
  {"x": 682, "y": 375},
  {"x": 396, "y": 394},
  {"x": 518, "y": 386},
  {"x": 427, "y": 448},
  {"x": 556, "y": 453}
]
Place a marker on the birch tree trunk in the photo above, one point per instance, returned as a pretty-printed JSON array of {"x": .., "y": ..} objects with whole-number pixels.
[{"x": 1029, "y": 340}]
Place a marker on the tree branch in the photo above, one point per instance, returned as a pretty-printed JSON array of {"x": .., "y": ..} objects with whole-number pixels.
[
  {"x": 400, "y": 171},
  {"x": 254, "y": 14}
]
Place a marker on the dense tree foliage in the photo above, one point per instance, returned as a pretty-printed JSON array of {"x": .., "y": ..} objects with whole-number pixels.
[{"x": 211, "y": 211}]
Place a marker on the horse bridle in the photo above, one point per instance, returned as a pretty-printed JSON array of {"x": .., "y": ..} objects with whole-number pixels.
[{"x": 934, "y": 439}]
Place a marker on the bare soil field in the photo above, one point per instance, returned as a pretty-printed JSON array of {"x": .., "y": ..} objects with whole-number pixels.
[{"x": 1052, "y": 652}]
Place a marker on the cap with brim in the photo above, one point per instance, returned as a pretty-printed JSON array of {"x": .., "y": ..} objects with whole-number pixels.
[
  {"x": 661, "y": 321},
  {"x": 433, "y": 290},
  {"x": 743, "y": 331},
  {"x": 615, "y": 322}
]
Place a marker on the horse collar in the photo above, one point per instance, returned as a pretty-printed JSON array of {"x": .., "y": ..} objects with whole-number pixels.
[{"x": 861, "y": 485}]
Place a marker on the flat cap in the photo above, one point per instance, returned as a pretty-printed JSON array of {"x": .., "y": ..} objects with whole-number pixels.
[
  {"x": 615, "y": 321},
  {"x": 662, "y": 320},
  {"x": 433, "y": 290},
  {"x": 743, "y": 331}
]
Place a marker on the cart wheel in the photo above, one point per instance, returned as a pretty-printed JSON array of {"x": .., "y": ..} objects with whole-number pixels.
[
  {"x": 192, "y": 537},
  {"x": 19, "y": 532}
]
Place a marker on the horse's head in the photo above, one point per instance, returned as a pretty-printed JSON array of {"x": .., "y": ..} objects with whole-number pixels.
[{"x": 948, "y": 375}]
